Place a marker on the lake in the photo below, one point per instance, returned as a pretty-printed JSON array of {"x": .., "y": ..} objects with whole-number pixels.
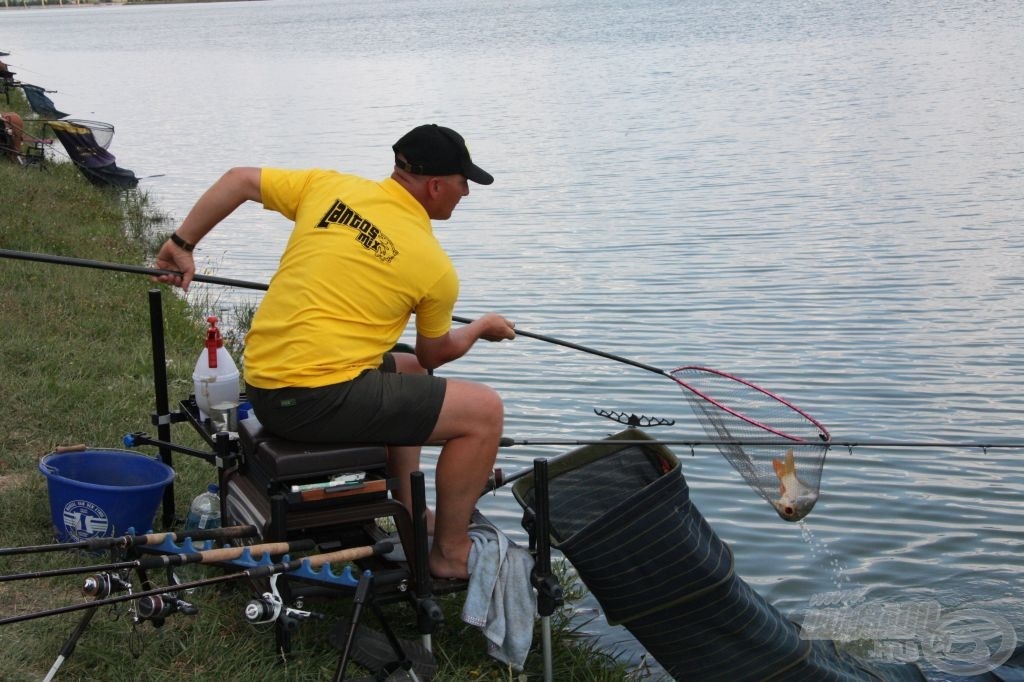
[{"x": 819, "y": 196}]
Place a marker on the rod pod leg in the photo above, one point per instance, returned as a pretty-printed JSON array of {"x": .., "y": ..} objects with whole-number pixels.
[
  {"x": 69, "y": 645},
  {"x": 364, "y": 597}
]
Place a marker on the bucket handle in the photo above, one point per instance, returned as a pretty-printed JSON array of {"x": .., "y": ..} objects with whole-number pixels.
[{"x": 61, "y": 449}]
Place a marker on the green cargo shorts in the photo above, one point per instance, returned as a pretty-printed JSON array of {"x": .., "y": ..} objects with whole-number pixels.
[{"x": 378, "y": 406}]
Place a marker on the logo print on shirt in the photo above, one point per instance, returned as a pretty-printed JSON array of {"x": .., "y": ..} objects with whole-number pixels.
[{"x": 367, "y": 234}]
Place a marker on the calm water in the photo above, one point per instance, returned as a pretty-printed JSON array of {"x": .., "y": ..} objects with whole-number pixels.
[{"x": 822, "y": 197}]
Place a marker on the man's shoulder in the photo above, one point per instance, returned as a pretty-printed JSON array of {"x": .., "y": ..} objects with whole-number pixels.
[
  {"x": 315, "y": 181},
  {"x": 325, "y": 174}
]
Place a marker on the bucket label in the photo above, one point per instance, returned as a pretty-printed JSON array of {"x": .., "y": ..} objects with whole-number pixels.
[{"x": 84, "y": 519}]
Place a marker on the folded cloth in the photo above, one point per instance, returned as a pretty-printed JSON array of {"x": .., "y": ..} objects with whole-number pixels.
[{"x": 500, "y": 599}]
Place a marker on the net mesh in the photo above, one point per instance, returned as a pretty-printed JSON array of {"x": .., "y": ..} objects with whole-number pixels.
[
  {"x": 788, "y": 475},
  {"x": 102, "y": 133}
]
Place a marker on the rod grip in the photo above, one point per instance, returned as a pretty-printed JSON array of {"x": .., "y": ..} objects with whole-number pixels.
[
  {"x": 226, "y": 533},
  {"x": 350, "y": 554},
  {"x": 229, "y": 553}
]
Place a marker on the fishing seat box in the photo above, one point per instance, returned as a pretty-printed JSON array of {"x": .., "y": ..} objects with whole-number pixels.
[{"x": 259, "y": 490}]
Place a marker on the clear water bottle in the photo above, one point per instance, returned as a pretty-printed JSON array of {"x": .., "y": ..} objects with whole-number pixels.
[{"x": 205, "y": 510}]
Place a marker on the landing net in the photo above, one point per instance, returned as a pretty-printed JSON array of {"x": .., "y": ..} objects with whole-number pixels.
[
  {"x": 736, "y": 414},
  {"x": 102, "y": 133}
]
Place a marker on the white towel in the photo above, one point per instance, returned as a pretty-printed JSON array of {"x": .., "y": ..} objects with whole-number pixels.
[{"x": 500, "y": 599}]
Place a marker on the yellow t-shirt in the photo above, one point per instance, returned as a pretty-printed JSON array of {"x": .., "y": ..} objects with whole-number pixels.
[{"x": 361, "y": 259}]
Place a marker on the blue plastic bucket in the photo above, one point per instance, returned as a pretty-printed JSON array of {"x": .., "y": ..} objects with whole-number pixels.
[{"x": 103, "y": 493}]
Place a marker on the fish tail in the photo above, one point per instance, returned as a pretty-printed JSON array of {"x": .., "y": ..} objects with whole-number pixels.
[{"x": 783, "y": 469}]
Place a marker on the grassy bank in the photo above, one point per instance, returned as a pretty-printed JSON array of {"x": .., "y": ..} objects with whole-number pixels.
[{"x": 77, "y": 368}]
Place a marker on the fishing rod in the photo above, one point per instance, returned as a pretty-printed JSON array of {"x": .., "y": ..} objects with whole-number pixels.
[
  {"x": 314, "y": 562},
  {"x": 81, "y": 262},
  {"x": 154, "y": 272},
  {"x": 695, "y": 442},
  {"x": 499, "y": 479},
  {"x": 125, "y": 541},
  {"x": 121, "y": 267},
  {"x": 579, "y": 347},
  {"x": 208, "y": 556}
]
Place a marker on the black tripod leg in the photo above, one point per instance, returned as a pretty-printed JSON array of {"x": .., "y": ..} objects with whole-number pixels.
[
  {"x": 69, "y": 645},
  {"x": 402, "y": 660},
  {"x": 362, "y": 592}
]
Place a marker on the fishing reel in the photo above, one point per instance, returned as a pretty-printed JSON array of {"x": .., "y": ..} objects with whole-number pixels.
[
  {"x": 102, "y": 585},
  {"x": 270, "y": 607},
  {"x": 158, "y": 607},
  {"x": 265, "y": 609}
]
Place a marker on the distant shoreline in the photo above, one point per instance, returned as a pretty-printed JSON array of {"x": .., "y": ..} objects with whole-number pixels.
[{"x": 26, "y": 4}]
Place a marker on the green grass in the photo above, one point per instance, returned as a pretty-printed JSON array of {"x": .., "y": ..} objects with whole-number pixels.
[{"x": 76, "y": 367}]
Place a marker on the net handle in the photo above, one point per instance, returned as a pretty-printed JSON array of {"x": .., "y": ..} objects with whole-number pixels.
[{"x": 823, "y": 433}]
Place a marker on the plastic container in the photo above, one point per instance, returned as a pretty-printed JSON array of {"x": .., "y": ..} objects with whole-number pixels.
[
  {"x": 204, "y": 512},
  {"x": 216, "y": 378},
  {"x": 103, "y": 493}
]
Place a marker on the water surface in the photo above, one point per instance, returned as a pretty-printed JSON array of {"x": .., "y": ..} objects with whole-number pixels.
[{"x": 821, "y": 197}]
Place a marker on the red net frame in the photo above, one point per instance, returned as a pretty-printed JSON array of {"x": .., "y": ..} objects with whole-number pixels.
[{"x": 755, "y": 430}]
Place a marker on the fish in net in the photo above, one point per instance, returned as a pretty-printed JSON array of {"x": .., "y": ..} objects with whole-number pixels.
[{"x": 777, "y": 448}]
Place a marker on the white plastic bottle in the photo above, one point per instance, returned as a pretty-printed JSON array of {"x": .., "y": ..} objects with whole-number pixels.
[
  {"x": 216, "y": 378},
  {"x": 205, "y": 510}
]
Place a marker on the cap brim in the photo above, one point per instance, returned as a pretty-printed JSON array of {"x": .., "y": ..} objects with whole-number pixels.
[{"x": 477, "y": 174}]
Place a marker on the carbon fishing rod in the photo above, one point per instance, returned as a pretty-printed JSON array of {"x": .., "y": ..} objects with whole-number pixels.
[
  {"x": 93, "y": 544},
  {"x": 154, "y": 272},
  {"x": 499, "y": 479},
  {"x": 208, "y": 556},
  {"x": 316, "y": 561},
  {"x": 696, "y": 442},
  {"x": 81, "y": 262},
  {"x": 142, "y": 270},
  {"x": 121, "y": 267}
]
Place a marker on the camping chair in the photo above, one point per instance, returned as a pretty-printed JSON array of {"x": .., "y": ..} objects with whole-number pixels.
[{"x": 18, "y": 145}]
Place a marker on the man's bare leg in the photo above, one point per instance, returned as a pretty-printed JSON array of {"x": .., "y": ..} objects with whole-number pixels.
[
  {"x": 470, "y": 423},
  {"x": 403, "y": 460}
]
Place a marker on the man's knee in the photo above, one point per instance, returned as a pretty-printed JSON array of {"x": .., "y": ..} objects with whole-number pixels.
[
  {"x": 487, "y": 400},
  {"x": 471, "y": 408}
]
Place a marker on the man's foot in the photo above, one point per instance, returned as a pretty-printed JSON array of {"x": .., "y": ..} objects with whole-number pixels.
[
  {"x": 453, "y": 563},
  {"x": 430, "y": 521}
]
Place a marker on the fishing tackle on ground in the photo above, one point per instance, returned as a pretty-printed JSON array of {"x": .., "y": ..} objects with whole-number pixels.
[
  {"x": 125, "y": 541},
  {"x": 316, "y": 561},
  {"x": 189, "y": 556}
]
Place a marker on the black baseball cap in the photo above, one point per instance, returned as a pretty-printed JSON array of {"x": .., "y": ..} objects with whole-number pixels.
[{"x": 435, "y": 150}]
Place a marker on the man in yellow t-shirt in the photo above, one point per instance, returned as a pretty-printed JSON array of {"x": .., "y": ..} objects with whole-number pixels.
[{"x": 361, "y": 259}]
